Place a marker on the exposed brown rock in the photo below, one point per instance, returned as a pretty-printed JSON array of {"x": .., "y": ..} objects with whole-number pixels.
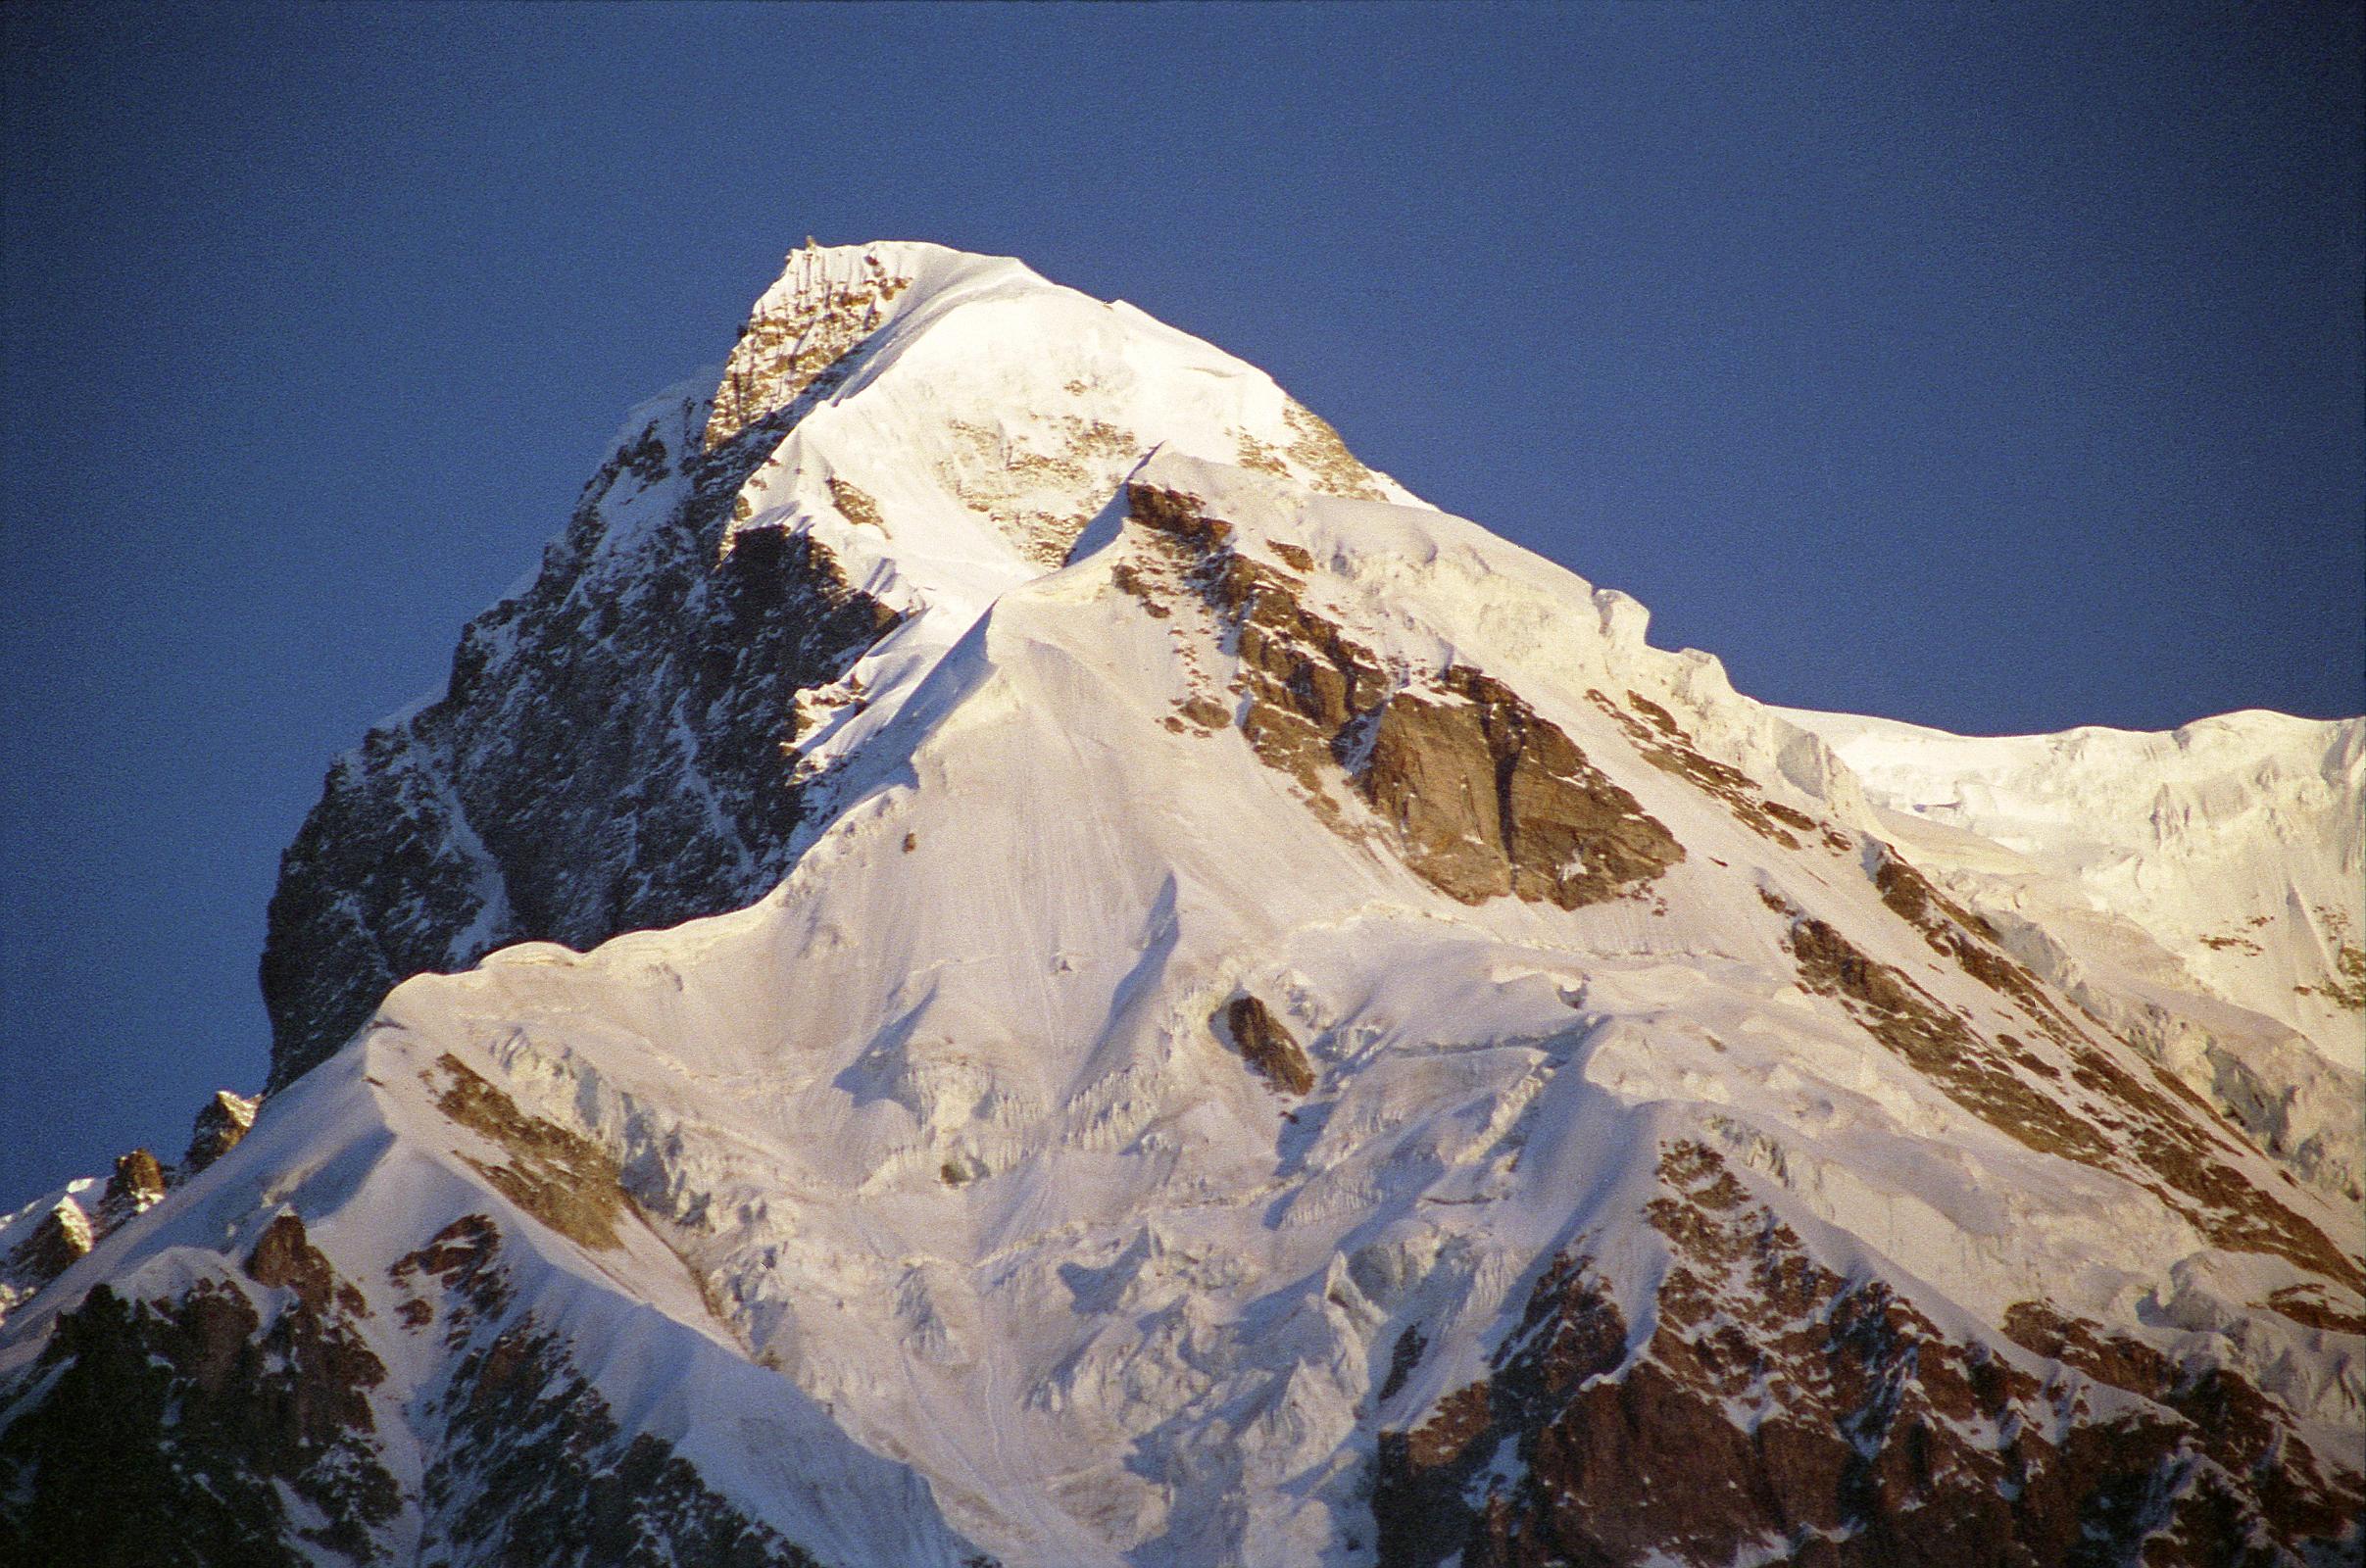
[
  {"x": 2309, "y": 1304},
  {"x": 2179, "y": 1139},
  {"x": 1268, "y": 1048},
  {"x": 2283, "y": 1484},
  {"x": 2186, "y": 1147},
  {"x": 1299, "y": 683},
  {"x": 62, "y": 1238},
  {"x": 1315, "y": 452},
  {"x": 855, "y": 504},
  {"x": 1940, "y": 1045},
  {"x": 1959, "y": 933},
  {"x": 1667, "y": 747},
  {"x": 1180, "y": 516},
  {"x": 285, "y": 1257},
  {"x": 1130, "y": 579},
  {"x": 2180, "y": 1151},
  {"x": 2112, "y": 1358},
  {"x": 561, "y": 1178},
  {"x": 1207, "y": 713},
  {"x": 464, "y": 1259},
  {"x": 2345, "y": 985},
  {"x": 1317, "y": 449},
  {"x": 1485, "y": 796},
  {"x": 1430, "y": 776},
  {"x": 136, "y": 1185},
  {"x": 220, "y": 1125},
  {"x": 1488, "y": 798},
  {"x": 1293, "y": 555},
  {"x": 797, "y": 347},
  {"x": 1774, "y": 1401}
]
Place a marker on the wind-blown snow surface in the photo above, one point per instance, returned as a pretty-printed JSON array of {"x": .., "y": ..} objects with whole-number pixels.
[{"x": 936, "y": 1202}]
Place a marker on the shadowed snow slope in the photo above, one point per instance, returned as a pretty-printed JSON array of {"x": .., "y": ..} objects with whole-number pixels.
[{"x": 1049, "y": 968}]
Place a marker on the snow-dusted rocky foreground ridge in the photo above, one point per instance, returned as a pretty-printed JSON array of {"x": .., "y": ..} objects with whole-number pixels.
[{"x": 1010, "y": 956}]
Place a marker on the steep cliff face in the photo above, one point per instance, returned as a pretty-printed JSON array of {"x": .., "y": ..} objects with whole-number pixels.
[
  {"x": 615, "y": 751},
  {"x": 1048, "y": 969}
]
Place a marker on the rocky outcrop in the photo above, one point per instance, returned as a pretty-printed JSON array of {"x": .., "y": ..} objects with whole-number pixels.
[
  {"x": 1484, "y": 797},
  {"x": 798, "y": 340},
  {"x": 1665, "y": 746},
  {"x": 236, "y": 1423},
  {"x": 560, "y": 1177},
  {"x": 1774, "y": 1406},
  {"x": 229, "y": 1425},
  {"x": 2082, "y": 1104},
  {"x": 2196, "y": 891},
  {"x": 221, "y": 1123},
  {"x": 59, "y": 1240},
  {"x": 1316, "y": 451},
  {"x": 137, "y": 1184},
  {"x": 1487, "y": 798},
  {"x": 613, "y": 751},
  {"x": 530, "y": 1467},
  {"x": 37, "y": 1252},
  {"x": 1273, "y": 1053}
]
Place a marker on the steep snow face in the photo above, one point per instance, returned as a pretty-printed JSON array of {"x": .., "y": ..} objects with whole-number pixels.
[{"x": 1238, "y": 1020}]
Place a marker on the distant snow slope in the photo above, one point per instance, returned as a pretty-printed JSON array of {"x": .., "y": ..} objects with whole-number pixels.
[
  {"x": 1233, "y": 1017},
  {"x": 2201, "y": 889}
]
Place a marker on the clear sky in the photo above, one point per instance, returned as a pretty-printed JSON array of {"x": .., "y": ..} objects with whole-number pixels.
[{"x": 1997, "y": 368}]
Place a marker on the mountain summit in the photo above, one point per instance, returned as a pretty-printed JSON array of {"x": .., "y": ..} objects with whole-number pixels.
[{"x": 1008, "y": 956}]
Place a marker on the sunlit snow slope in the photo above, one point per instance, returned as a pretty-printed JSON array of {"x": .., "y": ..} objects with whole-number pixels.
[
  {"x": 1220, "y": 1015},
  {"x": 2197, "y": 889}
]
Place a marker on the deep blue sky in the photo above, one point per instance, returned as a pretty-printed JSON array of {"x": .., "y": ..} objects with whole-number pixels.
[{"x": 1996, "y": 370}]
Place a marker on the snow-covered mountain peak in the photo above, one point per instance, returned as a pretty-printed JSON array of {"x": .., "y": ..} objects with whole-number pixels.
[
  {"x": 829, "y": 300},
  {"x": 975, "y": 416},
  {"x": 1007, "y": 955}
]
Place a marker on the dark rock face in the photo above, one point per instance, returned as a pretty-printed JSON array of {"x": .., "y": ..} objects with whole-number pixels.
[
  {"x": 236, "y": 1425},
  {"x": 173, "y": 1433},
  {"x": 611, "y": 753},
  {"x": 1776, "y": 1403},
  {"x": 532, "y": 1468}
]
